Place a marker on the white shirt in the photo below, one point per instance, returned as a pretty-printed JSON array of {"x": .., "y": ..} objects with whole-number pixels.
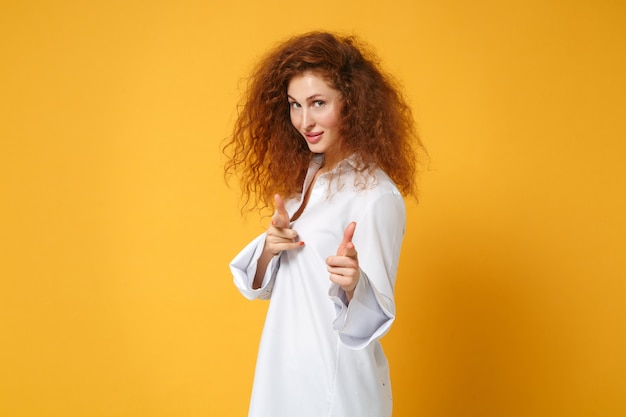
[{"x": 319, "y": 356}]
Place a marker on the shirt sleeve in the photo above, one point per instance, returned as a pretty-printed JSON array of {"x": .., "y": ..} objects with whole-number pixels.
[
  {"x": 243, "y": 268},
  {"x": 378, "y": 240}
]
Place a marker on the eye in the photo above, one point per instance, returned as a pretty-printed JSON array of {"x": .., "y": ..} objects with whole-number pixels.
[
  {"x": 294, "y": 105},
  {"x": 318, "y": 103}
]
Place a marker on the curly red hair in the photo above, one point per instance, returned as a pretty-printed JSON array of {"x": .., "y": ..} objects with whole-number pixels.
[{"x": 377, "y": 126}]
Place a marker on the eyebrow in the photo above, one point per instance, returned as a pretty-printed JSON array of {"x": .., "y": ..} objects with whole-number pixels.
[{"x": 313, "y": 97}]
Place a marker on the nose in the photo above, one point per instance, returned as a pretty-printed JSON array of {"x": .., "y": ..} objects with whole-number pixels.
[{"x": 307, "y": 120}]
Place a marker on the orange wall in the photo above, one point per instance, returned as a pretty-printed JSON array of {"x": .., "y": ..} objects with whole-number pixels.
[{"x": 117, "y": 228}]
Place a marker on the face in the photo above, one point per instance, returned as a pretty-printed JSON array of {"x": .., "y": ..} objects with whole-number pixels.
[{"x": 315, "y": 109}]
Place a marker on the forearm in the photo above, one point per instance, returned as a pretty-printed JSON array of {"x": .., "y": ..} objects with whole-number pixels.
[{"x": 262, "y": 263}]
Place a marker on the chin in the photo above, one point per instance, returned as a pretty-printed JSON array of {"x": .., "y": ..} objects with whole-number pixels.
[{"x": 317, "y": 149}]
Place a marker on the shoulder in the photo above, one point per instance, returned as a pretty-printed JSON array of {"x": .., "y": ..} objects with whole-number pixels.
[
  {"x": 371, "y": 180},
  {"x": 371, "y": 189}
]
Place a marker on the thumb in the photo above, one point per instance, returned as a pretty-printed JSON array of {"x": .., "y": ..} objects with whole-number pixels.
[
  {"x": 281, "y": 218},
  {"x": 346, "y": 247}
]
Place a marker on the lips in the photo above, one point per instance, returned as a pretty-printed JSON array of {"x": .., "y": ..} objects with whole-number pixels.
[{"x": 313, "y": 137}]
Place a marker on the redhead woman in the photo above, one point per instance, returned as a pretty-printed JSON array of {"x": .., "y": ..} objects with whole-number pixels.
[{"x": 325, "y": 139}]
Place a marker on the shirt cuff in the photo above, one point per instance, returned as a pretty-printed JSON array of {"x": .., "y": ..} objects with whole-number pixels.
[
  {"x": 244, "y": 266},
  {"x": 365, "y": 318}
]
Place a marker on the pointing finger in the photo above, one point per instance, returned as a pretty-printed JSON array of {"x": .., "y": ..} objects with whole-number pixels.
[
  {"x": 346, "y": 243},
  {"x": 350, "y": 251},
  {"x": 281, "y": 218}
]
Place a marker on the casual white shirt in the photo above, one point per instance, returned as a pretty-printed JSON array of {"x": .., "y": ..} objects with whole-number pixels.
[{"x": 319, "y": 355}]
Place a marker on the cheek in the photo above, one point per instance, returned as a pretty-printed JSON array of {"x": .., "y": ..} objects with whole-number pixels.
[
  {"x": 331, "y": 120},
  {"x": 294, "y": 120}
]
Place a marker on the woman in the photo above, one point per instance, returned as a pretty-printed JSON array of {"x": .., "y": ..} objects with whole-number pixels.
[{"x": 324, "y": 137}]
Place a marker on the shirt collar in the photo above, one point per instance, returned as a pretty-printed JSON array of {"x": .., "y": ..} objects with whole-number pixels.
[{"x": 351, "y": 161}]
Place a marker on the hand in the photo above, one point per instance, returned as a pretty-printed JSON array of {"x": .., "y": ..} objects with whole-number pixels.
[
  {"x": 344, "y": 267},
  {"x": 280, "y": 236}
]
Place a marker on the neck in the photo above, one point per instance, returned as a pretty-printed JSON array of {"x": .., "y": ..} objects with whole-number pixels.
[{"x": 330, "y": 161}]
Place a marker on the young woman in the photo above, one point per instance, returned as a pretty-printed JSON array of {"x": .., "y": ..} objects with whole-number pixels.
[{"x": 326, "y": 139}]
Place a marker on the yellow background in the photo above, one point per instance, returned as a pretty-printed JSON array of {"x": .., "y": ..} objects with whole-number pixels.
[{"x": 117, "y": 227}]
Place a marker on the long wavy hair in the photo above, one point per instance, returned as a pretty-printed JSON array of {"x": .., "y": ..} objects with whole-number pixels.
[{"x": 270, "y": 156}]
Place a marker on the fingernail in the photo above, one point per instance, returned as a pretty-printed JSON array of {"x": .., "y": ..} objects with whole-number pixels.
[{"x": 301, "y": 243}]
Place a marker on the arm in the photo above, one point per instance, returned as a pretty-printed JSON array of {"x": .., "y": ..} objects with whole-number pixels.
[
  {"x": 366, "y": 311},
  {"x": 256, "y": 266}
]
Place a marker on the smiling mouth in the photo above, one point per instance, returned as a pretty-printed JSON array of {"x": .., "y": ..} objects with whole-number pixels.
[{"x": 313, "y": 137}]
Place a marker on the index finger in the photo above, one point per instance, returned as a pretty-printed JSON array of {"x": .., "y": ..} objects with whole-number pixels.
[
  {"x": 281, "y": 218},
  {"x": 347, "y": 238}
]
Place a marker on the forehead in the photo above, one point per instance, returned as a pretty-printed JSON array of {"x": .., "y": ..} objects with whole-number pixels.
[{"x": 309, "y": 83}]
